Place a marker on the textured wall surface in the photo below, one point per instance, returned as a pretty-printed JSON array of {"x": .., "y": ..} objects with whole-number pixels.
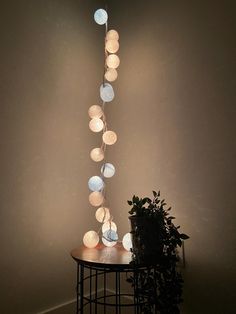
[{"x": 174, "y": 114}]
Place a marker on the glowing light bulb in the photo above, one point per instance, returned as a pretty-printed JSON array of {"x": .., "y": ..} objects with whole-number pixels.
[
  {"x": 109, "y": 225},
  {"x": 111, "y": 75},
  {"x": 100, "y": 16},
  {"x": 112, "y": 45},
  {"x": 95, "y": 183},
  {"x": 95, "y": 111},
  {"x": 106, "y": 92},
  {"x": 91, "y": 239},
  {"x": 113, "y": 61},
  {"x": 96, "y": 198},
  {"x": 97, "y": 154},
  {"x": 109, "y": 137},
  {"x": 109, "y": 238},
  {"x": 96, "y": 125},
  {"x": 108, "y": 170},
  {"x": 112, "y": 34},
  {"x": 127, "y": 241},
  {"x": 102, "y": 214}
]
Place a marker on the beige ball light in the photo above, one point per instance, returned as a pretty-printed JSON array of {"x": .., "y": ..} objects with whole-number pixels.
[
  {"x": 109, "y": 225},
  {"x": 97, "y": 154},
  {"x": 95, "y": 111},
  {"x": 113, "y": 61},
  {"x": 111, "y": 75},
  {"x": 96, "y": 125},
  {"x": 112, "y": 45},
  {"x": 102, "y": 214},
  {"x": 112, "y": 34},
  {"x": 91, "y": 239},
  {"x": 109, "y": 137},
  {"x": 96, "y": 198}
]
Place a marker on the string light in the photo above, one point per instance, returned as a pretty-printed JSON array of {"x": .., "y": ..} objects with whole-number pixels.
[{"x": 98, "y": 123}]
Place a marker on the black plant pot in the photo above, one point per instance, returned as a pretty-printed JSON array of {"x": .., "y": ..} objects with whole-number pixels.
[{"x": 146, "y": 239}]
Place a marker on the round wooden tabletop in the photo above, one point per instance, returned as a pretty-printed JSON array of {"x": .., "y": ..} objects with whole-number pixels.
[{"x": 102, "y": 256}]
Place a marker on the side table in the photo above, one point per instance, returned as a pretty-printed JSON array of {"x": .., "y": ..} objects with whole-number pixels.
[{"x": 93, "y": 268}]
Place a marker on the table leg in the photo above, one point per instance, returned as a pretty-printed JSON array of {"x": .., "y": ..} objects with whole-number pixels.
[{"x": 81, "y": 286}]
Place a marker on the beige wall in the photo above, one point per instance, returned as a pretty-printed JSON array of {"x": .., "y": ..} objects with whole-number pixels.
[
  {"x": 50, "y": 68},
  {"x": 175, "y": 116},
  {"x": 173, "y": 112}
]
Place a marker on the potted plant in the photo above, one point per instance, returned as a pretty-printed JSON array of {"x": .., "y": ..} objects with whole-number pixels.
[{"x": 155, "y": 239}]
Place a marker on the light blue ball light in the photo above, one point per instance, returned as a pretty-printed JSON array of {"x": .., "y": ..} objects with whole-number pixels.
[
  {"x": 110, "y": 235},
  {"x": 100, "y": 16},
  {"x": 108, "y": 170},
  {"x": 106, "y": 92},
  {"x": 95, "y": 183}
]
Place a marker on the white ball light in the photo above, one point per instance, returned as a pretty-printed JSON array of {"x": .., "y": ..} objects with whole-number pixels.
[
  {"x": 108, "y": 170},
  {"x": 96, "y": 198},
  {"x": 108, "y": 243},
  {"x": 96, "y": 125},
  {"x": 112, "y": 45},
  {"x": 100, "y": 16},
  {"x": 102, "y": 214},
  {"x": 109, "y": 225},
  {"x": 111, "y": 75},
  {"x": 97, "y": 154},
  {"x": 109, "y": 238},
  {"x": 106, "y": 92},
  {"x": 95, "y": 111},
  {"x": 95, "y": 183},
  {"x": 109, "y": 137},
  {"x": 113, "y": 61},
  {"x": 91, "y": 239},
  {"x": 127, "y": 241},
  {"x": 112, "y": 34}
]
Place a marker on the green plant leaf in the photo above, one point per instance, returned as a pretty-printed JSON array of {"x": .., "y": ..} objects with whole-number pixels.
[
  {"x": 184, "y": 236},
  {"x": 130, "y": 203}
]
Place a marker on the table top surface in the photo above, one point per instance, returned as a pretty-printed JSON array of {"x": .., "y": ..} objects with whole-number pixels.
[{"x": 103, "y": 256}]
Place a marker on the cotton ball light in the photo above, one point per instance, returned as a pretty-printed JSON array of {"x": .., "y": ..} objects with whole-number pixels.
[
  {"x": 112, "y": 45},
  {"x": 112, "y": 34},
  {"x": 96, "y": 198},
  {"x": 111, "y": 75},
  {"x": 106, "y": 92},
  {"x": 95, "y": 111},
  {"x": 97, "y": 154},
  {"x": 91, "y": 239},
  {"x": 113, "y": 61},
  {"x": 109, "y": 137},
  {"x": 109, "y": 238},
  {"x": 109, "y": 225},
  {"x": 100, "y": 16},
  {"x": 102, "y": 214},
  {"x": 95, "y": 183},
  {"x": 96, "y": 125},
  {"x": 108, "y": 170},
  {"x": 127, "y": 241}
]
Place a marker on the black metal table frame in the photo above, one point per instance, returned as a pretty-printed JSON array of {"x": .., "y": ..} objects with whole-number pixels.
[{"x": 94, "y": 271}]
